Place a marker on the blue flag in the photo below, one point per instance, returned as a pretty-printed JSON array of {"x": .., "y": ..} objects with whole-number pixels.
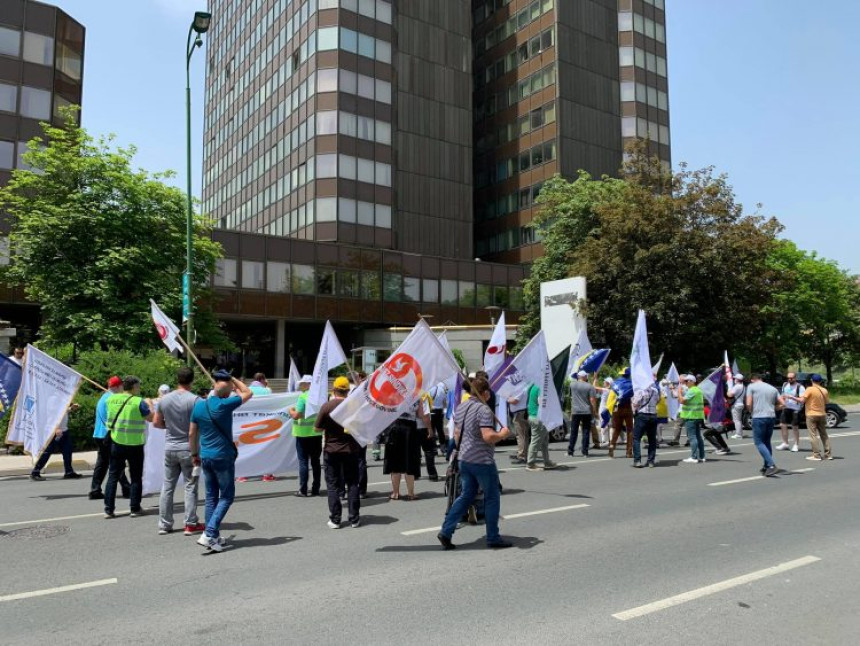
[
  {"x": 591, "y": 362},
  {"x": 10, "y": 382}
]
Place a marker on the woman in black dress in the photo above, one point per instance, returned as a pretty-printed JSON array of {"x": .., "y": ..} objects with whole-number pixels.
[{"x": 403, "y": 451}]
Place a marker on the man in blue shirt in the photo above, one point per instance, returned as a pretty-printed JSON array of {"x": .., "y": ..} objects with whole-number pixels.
[
  {"x": 211, "y": 442},
  {"x": 103, "y": 442}
]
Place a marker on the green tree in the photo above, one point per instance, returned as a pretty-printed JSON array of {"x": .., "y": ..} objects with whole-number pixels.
[{"x": 93, "y": 240}]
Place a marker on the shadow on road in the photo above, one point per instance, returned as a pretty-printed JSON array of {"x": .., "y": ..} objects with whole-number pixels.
[
  {"x": 260, "y": 542},
  {"x": 520, "y": 542},
  {"x": 242, "y": 527},
  {"x": 62, "y": 496},
  {"x": 378, "y": 520}
]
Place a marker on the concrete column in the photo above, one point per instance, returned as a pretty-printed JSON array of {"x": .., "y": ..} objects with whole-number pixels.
[{"x": 280, "y": 348}]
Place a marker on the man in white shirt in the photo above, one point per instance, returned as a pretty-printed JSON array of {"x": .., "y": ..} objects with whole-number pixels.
[
  {"x": 792, "y": 393},
  {"x": 737, "y": 395}
]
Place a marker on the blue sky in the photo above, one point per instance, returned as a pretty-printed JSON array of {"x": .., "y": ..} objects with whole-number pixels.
[{"x": 764, "y": 90}]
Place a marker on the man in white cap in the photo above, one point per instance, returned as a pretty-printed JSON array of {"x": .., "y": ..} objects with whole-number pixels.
[
  {"x": 308, "y": 441},
  {"x": 736, "y": 396}
]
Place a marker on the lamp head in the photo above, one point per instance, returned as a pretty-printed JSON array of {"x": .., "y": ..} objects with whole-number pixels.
[{"x": 201, "y": 22}]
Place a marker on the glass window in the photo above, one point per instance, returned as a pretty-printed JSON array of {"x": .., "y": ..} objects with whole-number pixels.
[
  {"x": 500, "y": 296},
  {"x": 225, "y": 273},
  {"x": 365, "y": 170},
  {"x": 69, "y": 62},
  {"x": 383, "y": 174},
  {"x": 661, "y": 33},
  {"x": 625, "y": 56},
  {"x": 327, "y": 4},
  {"x": 303, "y": 279},
  {"x": 383, "y": 51},
  {"x": 38, "y": 49},
  {"x": 278, "y": 277},
  {"x": 8, "y": 98},
  {"x": 549, "y": 151},
  {"x": 383, "y": 133},
  {"x": 366, "y": 45},
  {"x": 252, "y": 274},
  {"x": 7, "y": 155},
  {"x": 534, "y": 46},
  {"x": 365, "y": 213},
  {"x": 327, "y": 80},
  {"x": 628, "y": 126},
  {"x": 536, "y": 117},
  {"x": 367, "y": 7},
  {"x": 326, "y": 122},
  {"x": 348, "y": 40},
  {"x": 346, "y": 169},
  {"x": 346, "y": 210},
  {"x": 547, "y": 39},
  {"x": 326, "y": 209},
  {"x": 326, "y": 38},
  {"x": 625, "y": 21},
  {"x": 35, "y": 104},
  {"x": 370, "y": 285},
  {"x": 10, "y": 42},
  {"x": 430, "y": 290},
  {"x": 383, "y": 216},
  {"x": 411, "y": 289},
  {"x": 525, "y": 161},
  {"x": 365, "y": 128},
  {"x": 466, "y": 293},
  {"x": 349, "y": 5},
  {"x": 347, "y": 124},
  {"x": 639, "y": 23},
  {"x": 349, "y": 283},
  {"x": 639, "y": 56},
  {"x": 325, "y": 282},
  {"x": 661, "y": 66},
  {"x": 662, "y": 100},
  {"x": 664, "y": 135},
  {"x": 392, "y": 287},
  {"x": 383, "y": 91},
  {"x": 483, "y": 295},
  {"x": 628, "y": 91},
  {"x": 537, "y": 155},
  {"x": 449, "y": 292},
  {"x": 383, "y": 11},
  {"x": 516, "y": 298},
  {"x": 365, "y": 86},
  {"x": 326, "y": 165}
]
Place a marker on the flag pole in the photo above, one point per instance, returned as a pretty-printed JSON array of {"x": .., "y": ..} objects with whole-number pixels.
[
  {"x": 85, "y": 378},
  {"x": 194, "y": 356}
]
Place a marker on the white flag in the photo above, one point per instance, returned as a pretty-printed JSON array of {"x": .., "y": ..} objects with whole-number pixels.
[
  {"x": 655, "y": 369},
  {"x": 47, "y": 389},
  {"x": 730, "y": 374},
  {"x": 419, "y": 363},
  {"x": 330, "y": 356},
  {"x": 531, "y": 366},
  {"x": 735, "y": 369},
  {"x": 495, "y": 354},
  {"x": 672, "y": 376},
  {"x": 262, "y": 432},
  {"x": 166, "y": 328},
  {"x": 295, "y": 375},
  {"x": 640, "y": 357},
  {"x": 672, "y": 403},
  {"x": 578, "y": 350}
]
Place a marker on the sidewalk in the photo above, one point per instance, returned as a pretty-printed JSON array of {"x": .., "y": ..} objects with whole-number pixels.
[{"x": 21, "y": 465}]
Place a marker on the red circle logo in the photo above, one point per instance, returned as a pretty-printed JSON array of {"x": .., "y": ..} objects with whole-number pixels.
[
  {"x": 496, "y": 349},
  {"x": 162, "y": 331},
  {"x": 396, "y": 380}
]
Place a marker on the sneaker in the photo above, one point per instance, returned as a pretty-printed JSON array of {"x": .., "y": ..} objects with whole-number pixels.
[
  {"x": 651, "y": 465},
  {"x": 500, "y": 545},
  {"x": 703, "y": 460},
  {"x": 550, "y": 465},
  {"x": 828, "y": 457},
  {"x": 815, "y": 458},
  {"x": 534, "y": 467},
  {"x": 242, "y": 479},
  {"x": 736, "y": 437},
  {"x": 110, "y": 514},
  {"x": 355, "y": 524},
  {"x": 190, "y": 530},
  {"x": 96, "y": 495},
  {"x": 690, "y": 460},
  {"x": 446, "y": 542},
  {"x": 301, "y": 495},
  {"x": 37, "y": 477},
  {"x": 163, "y": 531},
  {"x": 762, "y": 470},
  {"x": 137, "y": 513},
  {"x": 333, "y": 525},
  {"x": 72, "y": 476},
  {"x": 268, "y": 478},
  {"x": 794, "y": 448},
  {"x": 211, "y": 544},
  {"x": 782, "y": 447},
  {"x": 721, "y": 452},
  {"x": 637, "y": 465},
  {"x": 570, "y": 454},
  {"x": 770, "y": 471}
]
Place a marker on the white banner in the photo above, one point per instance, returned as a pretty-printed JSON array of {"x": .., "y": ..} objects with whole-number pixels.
[
  {"x": 262, "y": 431},
  {"x": 47, "y": 389},
  {"x": 330, "y": 356}
]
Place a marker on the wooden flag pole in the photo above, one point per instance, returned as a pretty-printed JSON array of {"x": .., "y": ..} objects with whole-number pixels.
[
  {"x": 99, "y": 386},
  {"x": 194, "y": 356}
]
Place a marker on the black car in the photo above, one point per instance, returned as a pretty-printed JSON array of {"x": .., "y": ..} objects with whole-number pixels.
[{"x": 836, "y": 415}]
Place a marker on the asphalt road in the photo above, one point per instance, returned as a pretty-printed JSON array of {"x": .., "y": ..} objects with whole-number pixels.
[{"x": 757, "y": 561}]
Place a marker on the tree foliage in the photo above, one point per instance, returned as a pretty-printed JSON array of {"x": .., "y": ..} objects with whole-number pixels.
[{"x": 94, "y": 239}]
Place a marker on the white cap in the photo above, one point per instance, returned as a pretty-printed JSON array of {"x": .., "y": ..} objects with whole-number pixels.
[
  {"x": 581, "y": 374},
  {"x": 306, "y": 379},
  {"x": 163, "y": 389},
  {"x": 609, "y": 380},
  {"x": 690, "y": 378},
  {"x": 739, "y": 377}
]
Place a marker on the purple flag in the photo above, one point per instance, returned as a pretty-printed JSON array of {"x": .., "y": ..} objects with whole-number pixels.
[
  {"x": 497, "y": 379},
  {"x": 718, "y": 398}
]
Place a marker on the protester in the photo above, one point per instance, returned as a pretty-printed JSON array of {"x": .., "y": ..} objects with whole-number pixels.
[
  {"x": 737, "y": 396},
  {"x": 816, "y": 398},
  {"x": 792, "y": 394},
  {"x": 260, "y": 387},
  {"x": 439, "y": 397},
  {"x": 103, "y": 442},
  {"x": 428, "y": 437},
  {"x": 518, "y": 406},
  {"x": 622, "y": 416},
  {"x": 60, "y": 443},
  {"x": 360, "y": 378},
  {"x": 604, "y": 413},
  {"x": 341, "y": 459},
  {"x": 127, "y": 414},
  {"x": 173, "y": 414},
  {"x": 583, "y": 399},
  {"x": 539, "y": 443},
  {"x": 644, "y": 405},
  {"x": 403, "y": 451},
  {"x": 693, "y": 413},
  {"x": 662, "y": 411},
  {"x": 17, "y": 355},
  {"x": 163, "y": 390},
  {"x": 308, "y": 441},
  {"x": 714, "y": 435},
  {"x": 474, "y": 429},
  {"x": 763, "y": 401},
  {"x": 210, "y": 439}
]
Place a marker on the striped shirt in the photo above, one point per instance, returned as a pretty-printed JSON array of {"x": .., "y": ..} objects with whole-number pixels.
[
  {"x": 645, "y": 401},
  {"x": 470, "y": 417}
]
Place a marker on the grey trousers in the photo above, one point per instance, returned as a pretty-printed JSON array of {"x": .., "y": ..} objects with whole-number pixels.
[
  {"x": 176, "y": 463},
  {"x": 539, "y": 443},
  {"x": 738, "y": 419}
]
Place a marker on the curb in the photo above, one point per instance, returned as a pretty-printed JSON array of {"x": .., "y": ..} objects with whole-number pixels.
[{"x": 52, "y": 467}]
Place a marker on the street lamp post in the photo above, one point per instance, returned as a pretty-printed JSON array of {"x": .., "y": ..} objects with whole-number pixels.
[{"x": 200, "y": 25}]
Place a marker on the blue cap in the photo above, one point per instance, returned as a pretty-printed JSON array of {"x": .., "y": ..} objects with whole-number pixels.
[
  {"x": 816, "y": 378},
  {"x": 222, "y": 375}
]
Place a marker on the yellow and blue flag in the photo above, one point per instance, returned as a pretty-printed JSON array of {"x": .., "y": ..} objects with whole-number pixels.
[{"x": 10, "y": 382}]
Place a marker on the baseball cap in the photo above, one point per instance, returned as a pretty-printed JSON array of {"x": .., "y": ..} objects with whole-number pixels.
[
  {"x": 163, "y": 389},
  {"x": 817, "y": 378},
  {"x": 609, "y": 380},
  {"x": 739, "y": 377},
  {"x": 114, "y": 382},
  {"x": 690, "y": 378},
  {"x": 582, "y": 373},
  {"x": 222, "y": 375},
  {"x": 306, "y": 379},
  {"x": 341, "y": 383}
]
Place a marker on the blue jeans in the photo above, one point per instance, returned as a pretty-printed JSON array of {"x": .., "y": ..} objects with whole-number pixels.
[
  {"x": 762, "y": 434},
  {"x": 645, "y": 425},
  {"x": 220, "y": 474},
  {"x": 578, "y": 421},
  {"x": 694, "y": 434},
  {"x": 309, "y": 449},
  {"x": 472, "y": 476}
]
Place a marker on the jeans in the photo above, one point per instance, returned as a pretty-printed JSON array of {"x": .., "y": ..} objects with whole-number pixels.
[
  {"x": 694, "y": 434},
  {"x": 176, "y": 462},
  {"x": 220, "y": 474},
  {"x": 428, "y": 446},
  {"x": 472, "y": 476},
  {"x": 539, "y": 443},
  {"x": 341, "y": 473},
  {"x": 61, "y": 444},
  {"x": 645, "y": 425},
  {"x": 309, "y": 449},
  {"x": 120, "y": 454},
  {"x": 100, "y": 470},
  {"x": 577, "y": 421},
  {"x": 762, "y": 434}
]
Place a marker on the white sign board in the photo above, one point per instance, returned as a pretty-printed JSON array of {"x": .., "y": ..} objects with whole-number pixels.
[{"x": 560, "y": 319}]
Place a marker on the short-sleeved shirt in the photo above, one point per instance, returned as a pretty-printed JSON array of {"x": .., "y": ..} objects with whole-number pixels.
[
  {"x": 101, "y": 430},
  {"x": 764, "y": 399},
  {"x": 816, "y": 401},
  {"x": 534, "y": 402},
  {"x": 439, "y": 394},
  {"x": 337, "y": 440},
  {"x": 175, "y": 408},
  {"x": 214, "y": 419},
  {"x": 738, "y": 392},
  {"x": 470, "y": 417},
  {"x": 581, "y": 393},
  {"x": 794, "y": 390},
  {"x": 424, "y": 407}
]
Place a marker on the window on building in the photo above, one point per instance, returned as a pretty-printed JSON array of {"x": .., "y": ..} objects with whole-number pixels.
[
  {"x": 466, "y": 291},
  {"x": 449, "y": 292},
  {"x": 430, "y": 290},
  {"x": 365, "y": 86},
  {"x": 326, "y": 38},
  {"x": 35, "y": 103},
  {"x": 366, "y": 170},
  {"x": 278, "y": 277},
  {"x": 365, "y": 214},
  {"x": 8, "y": 98},
  {"x": 625, "y": 56},
  {"x": 10, "y": 42},
  {"x": 383, "y": 91},
  {"x": 411, "y": 289},
  {"x": 225, "y": 273},
  {"x": 383, "y": 216},
  {"x": 303, "y": 279},
  {"x": 38, "y": 49},
  {"x": 326, "y": 209},
  {"x": 7, "y": 155},
  {"x": 392, "y": 287},
  {"x": 370, "y": 285},
  {"x": 326, "y": 166},
  {"x": 347, "y": 167},
  {"x": 253, "y": 274},
  {"x": 383, "y": 133},
  {"x": 326, "y": 281},
  {"x": 69, "y": 62},
  {"x": 348, "y": 40},
  {"x": 326, "y": 122},
  {"x": 327, "y": 80},
  {"x": 383, "y": 11},
  {"x": 383, "y": 51}
]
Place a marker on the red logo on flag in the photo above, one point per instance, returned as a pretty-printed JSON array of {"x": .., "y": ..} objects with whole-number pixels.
[
  {"x": 398, "y": 378},
  {"x": 162, "y": 331},
  {"x": 496, "y": 349}
]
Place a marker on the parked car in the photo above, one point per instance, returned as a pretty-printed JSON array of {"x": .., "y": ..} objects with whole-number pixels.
[{"x": 836, "y": 415}]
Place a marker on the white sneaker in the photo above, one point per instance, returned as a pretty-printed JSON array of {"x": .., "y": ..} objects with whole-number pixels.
[
  {"x": 721, "y": 452},
  {"x": 690, "y": 460},
  {"x": 737, "y": 437},
  {"x": 794, "y": 448},
  {"x": 211, "y": 544},
  {"x": 782, "y": 447},
  {"x": 703, "y": 460},
  {"x": 333, "y": 525}
]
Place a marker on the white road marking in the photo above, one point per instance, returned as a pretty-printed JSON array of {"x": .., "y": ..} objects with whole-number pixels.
[
  {"x": 65, "y": 588},
  {"x": 714, "y": 588},
  {"x": 52, "y": 520},
  {"x": 427, "y": 530},
  {"x": 751, "y": 478}
]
